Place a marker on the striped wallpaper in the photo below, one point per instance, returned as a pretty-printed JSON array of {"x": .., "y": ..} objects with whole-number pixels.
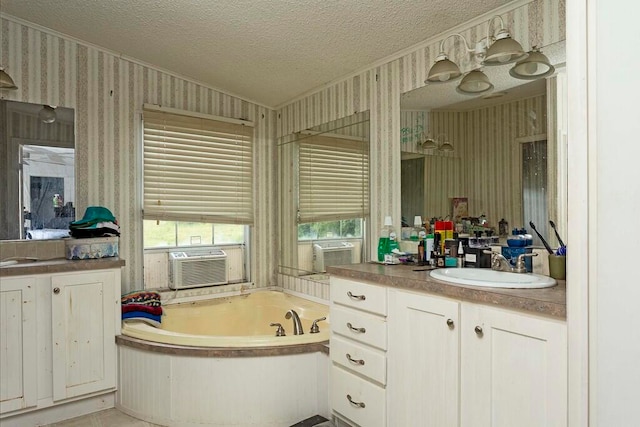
[{"x": 107, "y": 93}]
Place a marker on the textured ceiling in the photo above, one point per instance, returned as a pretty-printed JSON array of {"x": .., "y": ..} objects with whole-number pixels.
[{"x": 267, "y": 51}]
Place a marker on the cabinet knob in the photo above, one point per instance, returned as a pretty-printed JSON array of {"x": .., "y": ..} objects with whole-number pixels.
[
  {"x": 354, "y": 329},
  {"x": 356, "y": 297},
  {"x": 56, "y": 290},
  {"x": 355, "y": 361},
  {"x": 354, "y": 403},
  {"x": 450, "y": 323},
  {"x": 479, "y": 331}
]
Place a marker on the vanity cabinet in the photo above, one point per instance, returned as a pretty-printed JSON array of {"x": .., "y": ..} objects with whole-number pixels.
[
  {"x": 18, "y": 383},
  {"x": 83, "y": 331},
  {"x": 358, "y": 352},
  {"x": 460, "y": 363},
  {"x": 423, "y": 355},
  {"x": 513, "y": 369},
  {"x": 57, "y": 344}
]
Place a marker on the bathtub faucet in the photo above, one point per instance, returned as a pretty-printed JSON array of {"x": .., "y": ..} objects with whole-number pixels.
[{"x": 297, "y": 325}]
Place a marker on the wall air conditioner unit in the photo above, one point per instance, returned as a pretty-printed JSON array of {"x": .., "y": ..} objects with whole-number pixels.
[
  {"x": 331, "y": 253},
  {"x": 193, "y": 270}
]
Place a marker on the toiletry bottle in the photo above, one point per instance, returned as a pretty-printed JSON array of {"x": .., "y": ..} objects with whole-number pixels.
[
  {"x": 460, "y": 258},
  {"x": 393, "y": 240},
  {"x": 421, "y": 252},
  {"x": 417, "y": 227},
  {"x": 383, "y": 242},
  {"x": 428, "y": 247}
]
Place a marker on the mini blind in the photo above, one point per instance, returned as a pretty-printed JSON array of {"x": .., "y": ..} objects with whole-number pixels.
[
  {"x": 197, "y": 169},
  {"x": 333, "y": 179}
]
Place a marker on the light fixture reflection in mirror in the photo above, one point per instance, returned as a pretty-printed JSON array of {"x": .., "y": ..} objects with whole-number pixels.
[{"x": 47, "y": 114}]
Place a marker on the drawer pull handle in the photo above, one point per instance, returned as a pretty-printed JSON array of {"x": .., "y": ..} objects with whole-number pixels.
[
  {"x": 356, "y": 297},
  {"x": 354, "y": 403},
  {"x": 479, "y": 331},
  {"x": 450, "y": 323},
  {"x": 56, "y": 290},
  {"x": 355, "y": 361},
  {"x": 360, "y": 330}
]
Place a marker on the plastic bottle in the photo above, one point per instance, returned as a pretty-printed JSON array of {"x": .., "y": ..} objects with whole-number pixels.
[
  {"x": 460, "y": 258},
  {"x": 417, "y": 227},
  {"x": 428, "y": 247},
  {"x": 383, "y": 242}
]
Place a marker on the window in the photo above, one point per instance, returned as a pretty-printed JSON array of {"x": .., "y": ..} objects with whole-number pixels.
[
  {"x": 333, "y": 180},
  {"x": 198, "y": 179}
]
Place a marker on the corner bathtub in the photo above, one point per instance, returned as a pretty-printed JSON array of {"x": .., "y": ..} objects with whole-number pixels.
[{"x": 218, "y": 362}]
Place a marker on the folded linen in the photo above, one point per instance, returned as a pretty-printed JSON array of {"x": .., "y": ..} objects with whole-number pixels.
[
  {"x": 126, "y": 308},
  {"x": 151, "y": 319},
  {"x": 141, "y": 297}
]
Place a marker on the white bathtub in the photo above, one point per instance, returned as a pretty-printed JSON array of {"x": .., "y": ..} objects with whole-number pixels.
[
  {"x": 218, "y": 363},
  {"x": 238, "y": 321}
]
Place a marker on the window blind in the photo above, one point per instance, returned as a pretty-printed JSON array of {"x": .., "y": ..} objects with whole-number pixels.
[
  {"x": 196, "y": 169},
  {"x": 333, "y": 179}
]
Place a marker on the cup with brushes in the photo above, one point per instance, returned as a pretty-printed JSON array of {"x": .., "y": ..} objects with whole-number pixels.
[{"x": 557, "y": 259}]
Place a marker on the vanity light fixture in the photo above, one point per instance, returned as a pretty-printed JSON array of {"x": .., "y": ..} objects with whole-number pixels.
[
  {"x": 6, "y": 82},
  {"x": 497, "y": 48},
  {"x": 535, "y": 66},
  {"x": 47, "y": 114},
  {"x": 473, "y": 83}
]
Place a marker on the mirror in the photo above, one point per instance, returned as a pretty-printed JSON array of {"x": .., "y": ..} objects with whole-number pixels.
[
  {"x": 504, "y": 163},
  {"x": 324, "y": 192},
  {"x": 37, "y": 166}
]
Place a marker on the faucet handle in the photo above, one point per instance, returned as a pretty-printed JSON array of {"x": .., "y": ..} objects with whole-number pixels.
[
  {"x": 280, "y": 331},
  {"x": 520, "y": 265},
  {"x": 314, "y": 326}
]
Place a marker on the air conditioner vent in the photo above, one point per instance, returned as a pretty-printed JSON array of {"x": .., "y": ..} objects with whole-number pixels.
[
  {"x": 331, "y": 253},
  {"x": 190, "y": 271}
]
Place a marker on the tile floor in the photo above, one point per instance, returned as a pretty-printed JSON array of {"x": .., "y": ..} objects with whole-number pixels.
[{"x": 108, "y": 418}]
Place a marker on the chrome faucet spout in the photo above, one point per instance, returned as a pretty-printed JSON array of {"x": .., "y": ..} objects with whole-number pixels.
[{"x": 297, "y": 324}]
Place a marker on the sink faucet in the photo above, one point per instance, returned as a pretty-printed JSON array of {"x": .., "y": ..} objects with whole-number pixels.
[
  {"x": 500, "y": 263},
  {"x": 297, "y": 325}
]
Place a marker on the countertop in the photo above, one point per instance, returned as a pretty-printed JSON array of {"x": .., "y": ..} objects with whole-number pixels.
[
  {"x": 60, "y": 265},
  {"x": 548, "y": 301}
]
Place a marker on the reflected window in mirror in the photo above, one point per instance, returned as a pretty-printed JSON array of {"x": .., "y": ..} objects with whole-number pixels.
[
  {"x": 37, "y": 163},
  {"x": 324, "y": 183}
]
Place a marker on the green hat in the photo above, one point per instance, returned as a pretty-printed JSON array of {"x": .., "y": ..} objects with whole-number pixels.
[{"x": 95, "y": 214}]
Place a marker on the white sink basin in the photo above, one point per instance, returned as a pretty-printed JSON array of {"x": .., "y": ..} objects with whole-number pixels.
[{"x": 492, "y": 278}]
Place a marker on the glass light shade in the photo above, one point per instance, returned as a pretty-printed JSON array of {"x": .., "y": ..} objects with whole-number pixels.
[
  {"x": 446, "y": 147},
  {"x": 535, "y": 66},
  {"x": 473, "y": 83},
  {"x": 504, "y": 50},
  {"x": 6, "y": 82},
  {"x": 443, "y": 70},
  {"x": 429, "y": 144},
  {"x": 47, "y": 114}
]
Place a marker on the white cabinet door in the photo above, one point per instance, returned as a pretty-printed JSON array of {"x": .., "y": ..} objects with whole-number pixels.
[
  {"x": 513, "y": 369},
  {"x": 83, "y": 325},
  {"x": 422, "y": 360},
  {"x": 18, "y": 345}
]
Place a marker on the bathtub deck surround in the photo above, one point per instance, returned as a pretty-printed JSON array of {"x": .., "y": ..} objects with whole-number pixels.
[
  {"x": 414, "y": 348},
  {"x": 225, "y": 347}
]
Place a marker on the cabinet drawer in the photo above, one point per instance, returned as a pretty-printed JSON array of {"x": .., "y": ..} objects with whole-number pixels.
[
  {"x": 360, "y": 359},
  {"x": 357, "y": 399},
  {"x": 363, "y": 327},
  {"x": 362, "y": 296}
]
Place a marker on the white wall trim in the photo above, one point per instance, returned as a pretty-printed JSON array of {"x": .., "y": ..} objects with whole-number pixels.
[{"x": 581, "y": 174}]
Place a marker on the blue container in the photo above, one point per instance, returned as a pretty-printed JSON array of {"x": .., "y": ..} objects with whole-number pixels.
[{"x": 511, "y": 254}]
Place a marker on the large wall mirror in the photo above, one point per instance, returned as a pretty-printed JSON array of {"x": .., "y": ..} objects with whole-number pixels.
[
  {"x": 324, "y": 194},
  {"x": 37, "y": 168},
  {"x": 495, "y": 156}
]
